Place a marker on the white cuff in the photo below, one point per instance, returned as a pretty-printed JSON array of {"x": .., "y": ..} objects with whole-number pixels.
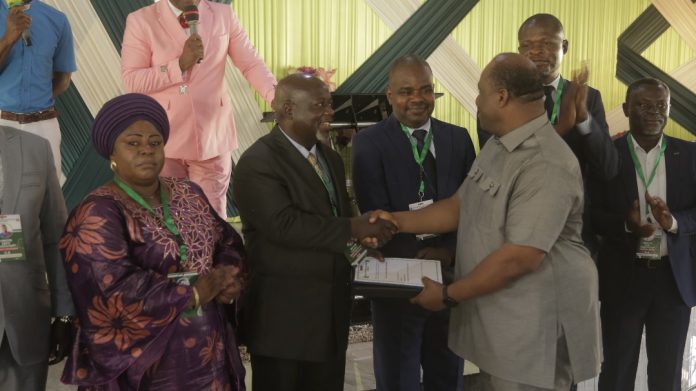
[
  {"x": 584, "y": 126},
  {"x": 673, "y": 229}
]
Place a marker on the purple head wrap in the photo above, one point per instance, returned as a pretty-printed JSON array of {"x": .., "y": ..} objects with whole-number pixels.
[{"x": 121, "y": 112}]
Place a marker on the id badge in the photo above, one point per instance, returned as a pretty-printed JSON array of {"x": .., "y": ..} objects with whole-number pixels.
[
  {"x": 355, "y": 252},
  {"x": 188, "y": 279},
  {"x": 417, "y": 206},
  {"x": 11, "y": 239},
  {"x": 649, "y": 248}
]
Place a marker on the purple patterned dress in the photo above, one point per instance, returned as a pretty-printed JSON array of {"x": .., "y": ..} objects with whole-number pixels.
[{"x": 131, "y": 331}]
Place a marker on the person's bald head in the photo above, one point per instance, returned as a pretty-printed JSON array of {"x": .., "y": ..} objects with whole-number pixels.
[
  {"x": 541, "y": 39},
  {"x": 510, "y": 92},
  {"x": 302, "y": 105}
]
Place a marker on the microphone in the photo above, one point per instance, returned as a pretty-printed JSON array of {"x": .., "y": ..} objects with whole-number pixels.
[
  {"x": 191, "y": 17},
  {"x": 26, "y": 36}
]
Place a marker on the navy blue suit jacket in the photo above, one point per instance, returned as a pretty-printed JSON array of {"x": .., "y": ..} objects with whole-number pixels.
[
  {"x": 611, "y": 202},
  {"x": 385, "y": 175}
]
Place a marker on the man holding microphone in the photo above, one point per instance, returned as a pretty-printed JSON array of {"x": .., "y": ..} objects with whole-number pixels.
[
  {"x": 36, "y": 61},
  {"x": 182, "y": 66}
]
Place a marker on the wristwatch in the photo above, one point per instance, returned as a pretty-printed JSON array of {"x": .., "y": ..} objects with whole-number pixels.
[
  {"x": 64, "y": 319},
  {"x": 449, "y": 302}
]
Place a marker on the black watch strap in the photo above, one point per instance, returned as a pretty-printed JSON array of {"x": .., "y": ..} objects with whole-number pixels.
[{"x": 449, "y": 302}]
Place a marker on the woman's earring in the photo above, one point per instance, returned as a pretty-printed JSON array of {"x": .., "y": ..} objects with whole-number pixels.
[{"x": 113, "y": 166}]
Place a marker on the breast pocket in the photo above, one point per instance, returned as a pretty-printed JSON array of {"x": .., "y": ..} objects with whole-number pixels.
[{"x": 483, "y": 199}]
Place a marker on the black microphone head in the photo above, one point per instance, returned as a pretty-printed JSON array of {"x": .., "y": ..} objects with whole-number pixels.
[{"x": 190, "y": 13}]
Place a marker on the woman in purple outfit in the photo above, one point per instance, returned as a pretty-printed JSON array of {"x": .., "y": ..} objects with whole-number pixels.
[{"x": 151, "y": 268}]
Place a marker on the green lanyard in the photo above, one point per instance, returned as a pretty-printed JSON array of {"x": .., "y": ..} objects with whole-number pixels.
[
  {"x": 168, "y": 221},
  {"x": 557, "y": 101},
  {"x": 419, "y": 157},
  {"x": 320, "y": 174},
  {"x": 639, "y": 167}
]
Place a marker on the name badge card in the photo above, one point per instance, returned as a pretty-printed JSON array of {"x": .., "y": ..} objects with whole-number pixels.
[
  {"x": 11, "y": 239},
  {"x": 188, "y": 279},
  {"x": 649, "y": 248},
  {"x": 417, "y": 206},
  {"x": 355, "y": 252}
]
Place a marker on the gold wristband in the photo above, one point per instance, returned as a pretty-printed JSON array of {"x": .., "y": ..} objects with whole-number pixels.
[{"x": 196, "y": 298}]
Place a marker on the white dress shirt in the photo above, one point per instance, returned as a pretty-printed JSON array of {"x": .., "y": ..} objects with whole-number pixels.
[
  {"x": 657, "y": 188},
  {"x": 426, "y": 127}
]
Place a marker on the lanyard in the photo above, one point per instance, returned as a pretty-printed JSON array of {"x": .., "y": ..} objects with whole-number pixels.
[
  {"x": 557, "y": 101},
  {"x": 168, "y": 221},
  {"x": 319, "y": 171},
  {"x": 419, "y": 157},
  {"x": 639, "y": 167}
]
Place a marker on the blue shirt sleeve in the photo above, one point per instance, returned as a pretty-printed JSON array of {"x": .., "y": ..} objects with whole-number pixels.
[{"x": 64, "y": 56}]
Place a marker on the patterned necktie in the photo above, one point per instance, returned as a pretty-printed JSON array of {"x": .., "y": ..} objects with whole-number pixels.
[
  {"x": 328, "y": 184},
  {"x": 548, "y": 103},
  {"x": 429, "y": 163},
  {"x": 182, "y": 21}
]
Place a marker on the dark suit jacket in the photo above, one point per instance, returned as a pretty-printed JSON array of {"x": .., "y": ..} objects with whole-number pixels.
[
  {"x": 595, "y": 152},
  {"x": 385, "y": 175},
  {"x": 611, "y": 201},
  {"x": 298, "y": 297},
  {"x": 27, "y": 301}
]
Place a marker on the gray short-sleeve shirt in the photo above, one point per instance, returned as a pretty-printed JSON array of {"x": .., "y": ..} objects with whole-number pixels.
[{"x": 526, "y": 188}]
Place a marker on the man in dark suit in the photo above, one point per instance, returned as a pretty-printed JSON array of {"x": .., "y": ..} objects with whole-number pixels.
[
  {"x": 646, "y": 217},
  {"x": 399, "y": 164},
  {"x": 28, "y": 299},
  {"x": 292, "y": 198},
  {"x": 575, "y": 109}
]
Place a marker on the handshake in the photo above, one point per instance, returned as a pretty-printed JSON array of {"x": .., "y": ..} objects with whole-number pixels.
[{"x": 373, "y": 229}]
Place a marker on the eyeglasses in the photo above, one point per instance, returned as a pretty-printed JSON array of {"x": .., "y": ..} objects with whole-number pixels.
[{"x": 661, "y": 107}]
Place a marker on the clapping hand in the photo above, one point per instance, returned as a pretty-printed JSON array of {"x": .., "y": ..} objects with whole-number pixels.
[
  {"x": 573, "y": 106},
  {"x": 635, "y": 224},
  {"x": 660, "y": 211}
]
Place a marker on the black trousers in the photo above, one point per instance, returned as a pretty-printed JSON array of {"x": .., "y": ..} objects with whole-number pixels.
[
  {"x": 276, "y": 374},
  {"x": 653, "y": 301}
]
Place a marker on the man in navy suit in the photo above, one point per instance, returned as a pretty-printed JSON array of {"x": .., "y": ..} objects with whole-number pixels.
[
  {"x": 646, "y": 217},
  {"x": 404, "y": 162},
  {"x": 574, "y": 109}
]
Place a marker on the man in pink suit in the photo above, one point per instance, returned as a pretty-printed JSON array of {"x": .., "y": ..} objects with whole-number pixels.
[{"x": 185, "y": 73}]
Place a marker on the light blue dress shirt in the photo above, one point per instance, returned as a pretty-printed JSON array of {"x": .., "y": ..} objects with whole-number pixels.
[{"x": 26, "y": 81}]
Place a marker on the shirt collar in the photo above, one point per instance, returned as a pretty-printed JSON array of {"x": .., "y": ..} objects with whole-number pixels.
[
  {"x": 555, "y": 82},
  {"x": 425, "y": 126},
  {"x": 638, "y": 148},
  {"x": 517, "y": 136},
  {"x": 301, "y": 148},
  {"x": 176, "y": 11}
]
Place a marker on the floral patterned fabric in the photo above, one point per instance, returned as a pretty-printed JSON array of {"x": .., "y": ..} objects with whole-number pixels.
[{"x": 131, "y": 333}]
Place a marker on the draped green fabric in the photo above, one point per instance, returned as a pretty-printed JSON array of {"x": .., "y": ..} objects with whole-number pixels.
[
  {"x": 631, "y": 66},
  {"x": 422, "y": 33},
  {"x": 113, "y": 16}
]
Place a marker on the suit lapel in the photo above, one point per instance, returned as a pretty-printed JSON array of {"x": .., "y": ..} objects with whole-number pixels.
[
  {"x": 442, "y": 138},
  {"x": 11, "y": 151},
  {"x": 672, "y": 169},
  {"x": 170, "y": 23},
  {"x": 400, "y": 146},
  {"x": 628, "y": 171},
  {"x": 301, "y": 166}
]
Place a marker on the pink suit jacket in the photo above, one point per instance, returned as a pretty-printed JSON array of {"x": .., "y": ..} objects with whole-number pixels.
[{"x": 197, "y": 103}]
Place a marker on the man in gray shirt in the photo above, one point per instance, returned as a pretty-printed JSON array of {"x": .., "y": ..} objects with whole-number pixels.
[{"x": 525, "y": 306}]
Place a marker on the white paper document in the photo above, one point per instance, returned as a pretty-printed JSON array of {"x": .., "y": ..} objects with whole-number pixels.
[{"x": 397, "y": 271}]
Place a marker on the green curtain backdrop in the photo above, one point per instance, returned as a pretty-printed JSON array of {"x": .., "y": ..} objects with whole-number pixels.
[
  {"x": 421, "y": 34},
  {"x": 631, "y": 65}
]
